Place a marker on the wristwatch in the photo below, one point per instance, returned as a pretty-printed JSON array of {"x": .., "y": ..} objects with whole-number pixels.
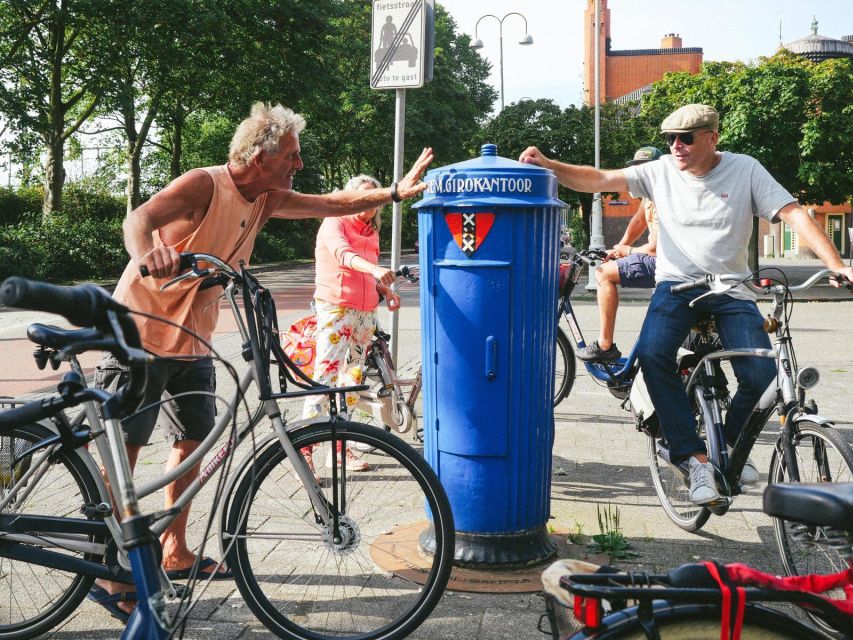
[{"x": 395, "y": 197}]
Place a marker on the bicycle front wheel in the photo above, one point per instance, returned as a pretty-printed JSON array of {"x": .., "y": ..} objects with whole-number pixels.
[
  {"x": 673, "y": 490},
  {"x": 564, "y": 371},
  {"x": 370, "y": 582},
  {"x": 33, "y": 598},
  {"x": 822, "y": 455}
]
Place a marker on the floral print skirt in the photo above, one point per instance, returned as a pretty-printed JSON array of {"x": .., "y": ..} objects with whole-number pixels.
[{"x": 343, "y": 336}]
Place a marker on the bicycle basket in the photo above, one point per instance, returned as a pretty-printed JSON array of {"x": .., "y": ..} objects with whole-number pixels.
[
  {"x": 569, "y": 274},
  {"x": 11, "y": 468}
]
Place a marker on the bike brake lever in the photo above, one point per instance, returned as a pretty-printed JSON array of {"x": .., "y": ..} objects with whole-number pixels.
[
  {"x": 716, "y": 287},
  {"x": 184, "y": 276}
]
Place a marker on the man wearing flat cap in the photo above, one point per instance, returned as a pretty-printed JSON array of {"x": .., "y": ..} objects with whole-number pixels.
[{"x": 705, "y": 202}]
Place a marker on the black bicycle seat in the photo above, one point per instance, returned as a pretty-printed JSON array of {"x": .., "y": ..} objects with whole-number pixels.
[
  {"x": 819, "y": 504},
  {"x": 56, "y": 338}
]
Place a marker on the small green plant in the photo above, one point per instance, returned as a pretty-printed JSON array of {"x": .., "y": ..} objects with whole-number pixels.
[
  {"x": 576, "y": 534},
  {"x": 611, "y": 540}
]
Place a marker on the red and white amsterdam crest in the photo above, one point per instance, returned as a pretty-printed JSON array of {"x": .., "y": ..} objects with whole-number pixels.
[{"x": 469, "y": 229}]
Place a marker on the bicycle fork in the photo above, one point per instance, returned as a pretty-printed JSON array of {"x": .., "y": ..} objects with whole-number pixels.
[{"x": 707, "y": 394}]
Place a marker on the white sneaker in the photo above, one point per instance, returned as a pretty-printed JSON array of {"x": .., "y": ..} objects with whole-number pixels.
[
  {"x": 703, "y": 487},
  {"x": 749, "y": 475}
]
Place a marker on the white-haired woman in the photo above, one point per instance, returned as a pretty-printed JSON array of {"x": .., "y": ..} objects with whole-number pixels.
[{"x": 349, "y": 283}]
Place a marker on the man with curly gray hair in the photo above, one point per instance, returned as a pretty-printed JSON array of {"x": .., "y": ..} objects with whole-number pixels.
[{"x": 215, "y": 210}]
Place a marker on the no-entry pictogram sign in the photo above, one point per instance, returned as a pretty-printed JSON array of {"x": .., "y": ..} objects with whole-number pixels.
[{"x": 398, "y": 44}]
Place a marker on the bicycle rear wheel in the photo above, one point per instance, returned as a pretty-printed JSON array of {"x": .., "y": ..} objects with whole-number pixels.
[
  {"x": 33, "y": 598},
  {"x": 822, "y": 455},
  {"x": 673, "y": 490},
  {"x": 564, "y": 371},
  {"x": 299, "y": 581}
]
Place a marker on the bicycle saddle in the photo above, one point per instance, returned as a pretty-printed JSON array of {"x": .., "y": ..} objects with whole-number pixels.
[
  {"x": 56, "y": 338},
  {"x": 819, "y": 504}
]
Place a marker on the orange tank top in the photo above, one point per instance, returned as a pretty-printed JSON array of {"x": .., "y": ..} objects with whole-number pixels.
[{"x": 228, "y": 232}]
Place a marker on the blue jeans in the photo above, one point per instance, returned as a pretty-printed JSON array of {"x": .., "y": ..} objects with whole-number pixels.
[{"x": 668, "y": 322}]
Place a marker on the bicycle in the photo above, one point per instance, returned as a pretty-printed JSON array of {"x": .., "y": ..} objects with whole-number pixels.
[
  {"x": 34, "y": 452},
  {"x": 326, "y": 538},
  {"x": 390, "y": 399},
  {"x": 617, "y": 376},
  {"x": 807, "y": 448},
  {"x": 708, "y": 601}
]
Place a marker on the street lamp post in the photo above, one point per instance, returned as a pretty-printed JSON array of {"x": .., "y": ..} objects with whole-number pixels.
[
  {"x": 596, "y": 224},
  {"x": 478, "y": 44}
]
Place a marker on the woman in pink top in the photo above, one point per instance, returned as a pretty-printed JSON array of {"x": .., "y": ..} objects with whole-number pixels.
[{"x": 348, "y": 282}]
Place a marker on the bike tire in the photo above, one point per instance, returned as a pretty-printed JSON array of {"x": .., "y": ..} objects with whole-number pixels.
[
  {"x": 698, "y": 622},
  {"x": 673, "y": 493},
  {"x": 797, "y": 549},
  {"x": 565, "y": 368},
  {"x": 307, "y": 587},
  {"x": 35, "y": 599}
]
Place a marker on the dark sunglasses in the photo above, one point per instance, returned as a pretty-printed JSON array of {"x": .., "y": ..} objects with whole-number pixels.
[{"x": 686, "y": 138}]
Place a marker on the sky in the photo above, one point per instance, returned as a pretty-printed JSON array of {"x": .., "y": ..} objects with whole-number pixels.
[{"x": 553, "y": 66}]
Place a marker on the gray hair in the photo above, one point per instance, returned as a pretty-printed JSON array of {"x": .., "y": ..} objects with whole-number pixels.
[
  {"x": 262, "y": 131},
  {"x": 354, "y": 183}
]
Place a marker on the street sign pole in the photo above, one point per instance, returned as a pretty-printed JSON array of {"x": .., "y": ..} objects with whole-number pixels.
[
  {"x": 397, "y": 209},
  {"x": 401, "y": 57}
]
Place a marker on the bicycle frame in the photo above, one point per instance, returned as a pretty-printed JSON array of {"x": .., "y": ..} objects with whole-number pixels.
[
  {"x": 621, "y": 372},
  {"x": 386, "y": 374},
  {"x": 780, "y": 395}
]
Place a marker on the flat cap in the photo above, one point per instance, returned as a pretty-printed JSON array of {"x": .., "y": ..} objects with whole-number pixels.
[{"x": 691, "y": 117}]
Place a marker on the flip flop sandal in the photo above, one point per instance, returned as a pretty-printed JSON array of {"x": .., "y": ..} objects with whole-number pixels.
[
  {"x": 109, "y": 601},
  {"x": 204, "y": 563}
]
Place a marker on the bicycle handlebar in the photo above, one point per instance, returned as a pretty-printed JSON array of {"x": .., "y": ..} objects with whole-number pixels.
[
  {"x": 724, "y": 282},
  {"x": 30, "y": 412},
  {"x": 187, "y": 261},
  {"x": 699, "y": 283},
  {"x": 83, "y": 305},
  {"x": 410, "y": 273}
]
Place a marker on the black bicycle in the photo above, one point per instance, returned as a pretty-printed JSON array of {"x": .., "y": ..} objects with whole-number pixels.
[{"x": 698, "y": 601}]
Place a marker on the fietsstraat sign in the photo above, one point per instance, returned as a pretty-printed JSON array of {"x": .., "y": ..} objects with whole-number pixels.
[{"x": 398, "y": 40}]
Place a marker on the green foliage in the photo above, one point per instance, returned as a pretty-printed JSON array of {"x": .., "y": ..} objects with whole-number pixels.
[
  {"x": 575, "y": 534},
  {"x": 61, "y": 249},
  {"x": 89, "y": 199},
  {"x": 611, "y": 540},
  {"x": 18, "y": 205},
  {"x": 286, "y": 240},
  {"x": 792, "y": 115}
]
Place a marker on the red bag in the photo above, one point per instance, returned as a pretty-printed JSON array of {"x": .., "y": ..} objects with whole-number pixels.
[{"x": 299, "y": 343}]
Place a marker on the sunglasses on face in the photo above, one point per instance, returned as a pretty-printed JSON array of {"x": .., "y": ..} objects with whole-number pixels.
[{"x": 686, "y": 138}]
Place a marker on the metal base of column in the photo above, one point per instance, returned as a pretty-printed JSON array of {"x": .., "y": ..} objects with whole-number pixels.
[{"x": 495, "y": 550}]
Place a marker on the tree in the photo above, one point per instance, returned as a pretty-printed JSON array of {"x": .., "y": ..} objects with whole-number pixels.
[
  {"x": 54, "y": 57},
  {"x": 568, "y": 135},
  {"x": 791, "y": 114}
]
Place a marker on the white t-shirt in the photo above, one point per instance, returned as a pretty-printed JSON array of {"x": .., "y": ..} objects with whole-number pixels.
[{"x": 705, "y": 222}]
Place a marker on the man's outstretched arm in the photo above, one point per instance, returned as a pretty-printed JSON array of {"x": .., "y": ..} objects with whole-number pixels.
[
  {"x": 291, "y": 204},
  {"x": 577, "y": 177}
]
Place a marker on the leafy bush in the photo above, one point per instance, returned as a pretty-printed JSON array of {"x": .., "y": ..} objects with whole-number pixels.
[
  {"x": 89, "y": 199},
  {"x": 62, "y": 249},
  {"x": 18, "y": 205},
  {"x": 286, "y": 240}
]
